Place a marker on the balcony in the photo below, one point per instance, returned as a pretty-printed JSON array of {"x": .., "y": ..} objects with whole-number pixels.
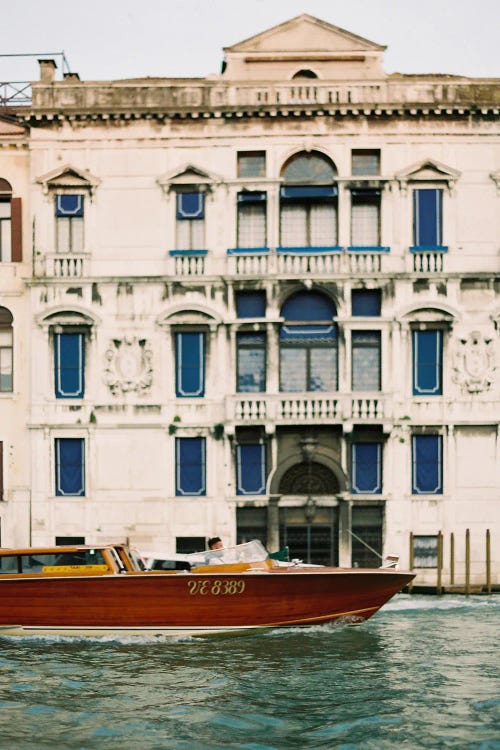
[
  {"x": 306, "y": 408},
  {"x": 62, "y": 266}
]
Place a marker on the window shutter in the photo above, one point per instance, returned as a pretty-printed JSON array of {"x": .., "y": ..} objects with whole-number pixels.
[
  {"x": 427, "y": 217},
  {"x": 190, "y": 365},
  {"x": 69, "y": 365},
  {"x": 16, "y": 229},
  {"x": 250, "y": 469},
  {"x": 70, "y": 466},
  {"x": 251, "y": 304},
  {"x": 69, "y": 205},
  {"x": 1, "y": 472},
  {"x": 427, "y": 363},
  {"x": 190, "y": 206},
  {"x": 366, "y": 302},
  {"x": 190, "y": 466},
  {"x": 427, "y": 468},
  {"x": 308, "y": 191},
  {"x": 366, "y": 468}
]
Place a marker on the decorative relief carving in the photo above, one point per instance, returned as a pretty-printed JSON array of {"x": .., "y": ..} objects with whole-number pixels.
[
  {"x": 474, "y": 362},
  {"x": 128, "y": 366}
]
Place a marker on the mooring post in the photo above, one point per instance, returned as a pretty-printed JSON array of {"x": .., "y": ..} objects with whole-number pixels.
[
  {"x": 488, "y": 561},
  {"x": 452, "y": 558},
  {"x": 439, "y": 586},
  {"x": 410, "y": 585},
  {"x": 467, "y": 562}
]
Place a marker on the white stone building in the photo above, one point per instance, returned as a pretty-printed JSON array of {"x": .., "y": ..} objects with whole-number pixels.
[
  {"x": 266, "y": 303},
  {"x": 15, "y": 329}
]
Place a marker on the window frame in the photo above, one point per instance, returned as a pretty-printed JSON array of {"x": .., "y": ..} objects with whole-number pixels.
[
  {"x": 356, "y": 346},
  {"x": 59, "y": 370},
  {"x": 417, "y": 373},
  {"x": 59, "y": 489},
  {"x": 8, "y": 349},
  {"x": 193, "y": 223},
  {"x": 366, "y": 197},
  {"x": 379, "y": 468},
  {"x": 202, "y": 467},
  {"x": 357, "y": 152},
  {"x": 416, "y": 469},
  {"x": 417, "y": 230},
  {"x": 182, "y": 369},
  {"x": 73, "y": 222},
  {"x": 241, "y": 469},
  {"x": 241, "y": 205},
  {"x": 240, "y": 155},
  {"x": 261, "y": 347}
]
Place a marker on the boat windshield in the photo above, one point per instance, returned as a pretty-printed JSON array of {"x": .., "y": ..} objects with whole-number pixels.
[{"x": 248, "y": 552}]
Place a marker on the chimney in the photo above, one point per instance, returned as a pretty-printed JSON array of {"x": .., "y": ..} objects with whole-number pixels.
[
  {"x": 71, "y": 77},
  {"x": 47, "y": 70}
]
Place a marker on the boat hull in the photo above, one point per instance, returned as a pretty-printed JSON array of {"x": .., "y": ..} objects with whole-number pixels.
[{"x": 192, "y": 604}]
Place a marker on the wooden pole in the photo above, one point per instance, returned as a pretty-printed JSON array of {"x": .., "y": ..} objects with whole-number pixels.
[
  {"x": 439, "y": 586},
  {"x": 412, "y": 558},
  {"x": 452, "y": 558},
  {"x": 467, "y": 562},
  {"x": 488, "y": 561}
]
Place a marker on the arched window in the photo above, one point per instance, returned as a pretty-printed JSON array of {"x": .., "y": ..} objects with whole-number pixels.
[
  {"x": 308, "y": 344},
  {"x": 10, "y": 224},
  {"x": 304, "y": 73},
  {"x": 6, "y": 359},
  {"x": 308, "y": 202}
]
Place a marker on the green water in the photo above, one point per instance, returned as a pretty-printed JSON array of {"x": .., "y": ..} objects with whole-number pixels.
[{"x": 423, "y": 673}]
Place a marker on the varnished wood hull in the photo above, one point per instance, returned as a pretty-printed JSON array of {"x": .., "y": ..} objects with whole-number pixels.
[{"x": 192, "y": 604}]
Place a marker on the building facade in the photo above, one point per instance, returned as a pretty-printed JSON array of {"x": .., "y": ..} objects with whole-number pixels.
[{"x": 265, "y": 304}]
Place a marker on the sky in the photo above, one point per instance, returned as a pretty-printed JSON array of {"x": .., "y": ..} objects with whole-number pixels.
[{"x": 112, "y": 39}]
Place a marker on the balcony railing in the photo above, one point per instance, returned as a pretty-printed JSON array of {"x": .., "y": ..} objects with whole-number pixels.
[
  {"x": 61, "y": 266},
  {"x": 288, "y": 408}
]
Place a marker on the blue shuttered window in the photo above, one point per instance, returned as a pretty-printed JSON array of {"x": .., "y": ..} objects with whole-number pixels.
[
  {"x": 251, "y": 362},
  {"x": 308, "y": 350},
  {"x": 190, "y": 465},
  {"x": 190, "y": 206},
  {"x": 366, "y": 462},
  {"x": 250, "y": 469},
  {"x": 427, "y": 363},
  {"x": 70, "y": 466},
  {"x": 427, "y": 465},
  {"x": 69, "y": 356},
  {"x": 251, "y": 304},
  {"x": 366, "y": 302},
  {"x": 69, "y": 205},
  {"x": 190, "y": 365},
  {"x": 427, "y": 218}
]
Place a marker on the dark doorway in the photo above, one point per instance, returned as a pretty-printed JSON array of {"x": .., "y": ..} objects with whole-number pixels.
[{"x": 310, "y": 539}]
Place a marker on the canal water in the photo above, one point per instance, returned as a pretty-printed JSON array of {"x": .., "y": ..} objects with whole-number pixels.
[{"x": 422, "y": 673}]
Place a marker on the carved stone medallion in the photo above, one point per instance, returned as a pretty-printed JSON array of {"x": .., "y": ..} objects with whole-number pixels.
[
  {"x": 474, "y": 362},
  {"x": 128, "y": 366}
]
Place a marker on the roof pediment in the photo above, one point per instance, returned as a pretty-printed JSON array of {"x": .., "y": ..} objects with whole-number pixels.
[
  {"x": 305, "y": 33},
  {"x": 68, "y": 177},
  {"x": 428, "y": 170},
  {"x": 304, "y": 44},
  {"x": 188, "y": 175}
]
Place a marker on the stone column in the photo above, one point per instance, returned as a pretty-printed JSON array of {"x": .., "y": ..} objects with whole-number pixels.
[
  {"x": 344, "y": 532},
  {"x": 273, "y": 530}
]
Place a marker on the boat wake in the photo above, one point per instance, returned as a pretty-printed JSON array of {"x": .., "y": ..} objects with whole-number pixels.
[{"x": 407, "y": 602}]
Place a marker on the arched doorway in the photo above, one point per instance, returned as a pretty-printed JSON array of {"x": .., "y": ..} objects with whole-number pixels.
[{"x": 309, "y": 529}]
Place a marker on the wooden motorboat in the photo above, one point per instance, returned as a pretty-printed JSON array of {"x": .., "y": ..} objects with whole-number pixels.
[{"x": 105, "y": 590}]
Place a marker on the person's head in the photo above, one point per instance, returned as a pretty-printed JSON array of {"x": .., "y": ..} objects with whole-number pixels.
[{"x": 215, "y": 542}]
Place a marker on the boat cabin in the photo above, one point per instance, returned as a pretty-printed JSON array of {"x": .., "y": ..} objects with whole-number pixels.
[{"x": 79, "y": 560}]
